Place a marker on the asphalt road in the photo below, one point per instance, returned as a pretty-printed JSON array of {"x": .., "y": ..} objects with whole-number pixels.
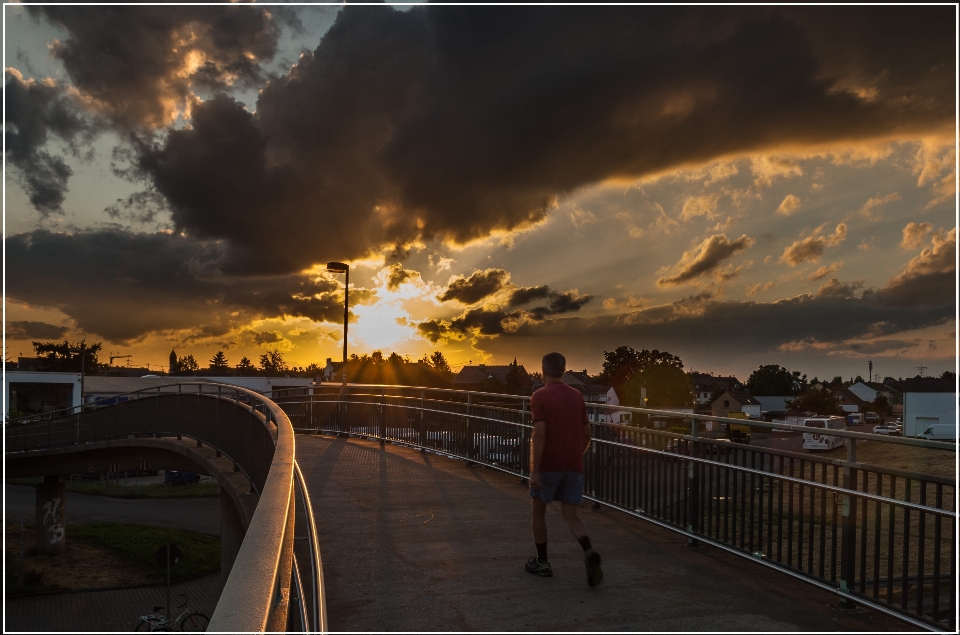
[{"x": 200, "y": 514}]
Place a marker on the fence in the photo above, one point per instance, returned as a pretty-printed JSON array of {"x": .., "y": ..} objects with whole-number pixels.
[{"x": 879, "y": 536}]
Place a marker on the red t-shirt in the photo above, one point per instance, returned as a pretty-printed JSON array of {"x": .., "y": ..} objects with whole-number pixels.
[{"x": 564, "y": 412}]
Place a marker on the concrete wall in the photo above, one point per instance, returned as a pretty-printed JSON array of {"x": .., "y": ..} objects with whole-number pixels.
[
  {"x": 939, "y": 405},
  {"x": 231, "y": 534}
]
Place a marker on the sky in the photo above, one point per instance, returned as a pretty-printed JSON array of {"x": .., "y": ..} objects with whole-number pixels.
[{"x": 737, "y": 186}]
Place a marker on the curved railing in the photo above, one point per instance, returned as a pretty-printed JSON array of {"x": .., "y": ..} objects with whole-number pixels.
[
  {"x": 257, "y": 435},
  {"x": 880, "y": 536}
]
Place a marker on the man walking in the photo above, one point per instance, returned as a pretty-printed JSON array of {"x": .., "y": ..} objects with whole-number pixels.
[{"x": 561, "y": 435}]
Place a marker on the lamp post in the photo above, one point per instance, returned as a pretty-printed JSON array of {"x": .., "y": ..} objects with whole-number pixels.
[{"x": 339, "y": 267}]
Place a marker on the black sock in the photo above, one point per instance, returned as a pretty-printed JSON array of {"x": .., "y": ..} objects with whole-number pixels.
[
  {"x": 584, "y": 542},
  {"x": 542, "y": 551}
]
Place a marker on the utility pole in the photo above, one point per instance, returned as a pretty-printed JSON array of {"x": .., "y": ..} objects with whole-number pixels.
[{"x": 921, "y": 368}]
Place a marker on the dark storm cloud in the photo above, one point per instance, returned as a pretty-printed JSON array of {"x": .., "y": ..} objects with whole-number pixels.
[
  {"x": 140, "y": 65},
  {"x": 702, "y": 327},
  {"x": 929, "y": 279},
  {"x": 455, "y": 122},
  {"x": 523, "y": 295},
  {"x": 706, "y": 257},
  {"x": 478, "y": 286},
  {"x": 492, "y": 320},
  {"x": 122, "y": 285},
  {"x": 399, "y": 275},
  {"x": 27, "y": 330},
  {"x": 38, "y": 112}
]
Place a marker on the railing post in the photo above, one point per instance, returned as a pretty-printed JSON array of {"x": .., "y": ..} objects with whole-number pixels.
[
  {"x": 693, "y": 486},
  {"x": 423, "y": 445},
  {"x": 383, "y": 423},
  {"x": 848, "y": 544},
  {"x": 467, "y": 435},
  {"x": 199, "y": 393}
]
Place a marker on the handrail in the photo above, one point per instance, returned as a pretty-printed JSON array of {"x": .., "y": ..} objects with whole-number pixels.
[
  {"x": 318, "y": 620},
  {"x": 256, "y": 594}
]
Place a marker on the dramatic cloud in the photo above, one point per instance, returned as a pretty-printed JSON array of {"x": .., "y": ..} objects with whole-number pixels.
[
  {"x": 824, "y": 271},
  {"x": 704, "y": 258},
  {"x": 443, "y": 122},
  {"x": 789, "y": 205},
  {"x": 37, "y": 112},
  {"x": 929, "y": 279},
  {"x": 478, "y": 286},
  {"x": 524, "y": 295},
  {"x": 122, "y": 285},
  {"x": 811, "y": 248},
  {"x": 492, "y": 320},
  {"x": 769, "y": 168},
  {"x": 141, "y": 65},
  {"x": 399, "y": 275},
  {"x": 27, "y": 330},
  {"x": 914, "y": 234},
  {"x": 705, "y": 205},
  {"x": 837, "y": 289}
]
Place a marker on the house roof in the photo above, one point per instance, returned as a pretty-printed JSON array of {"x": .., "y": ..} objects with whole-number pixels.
[
  {"x": 573, "y": 378},
  {"x": 476, "y": 374},
  {"x": 928, "y": 384},
  {"x": 702, "y": 380},
  {"x": 880, "y": 386},
  {"x": 845, "y": 395},
  {"x": 742, "y": 398}
]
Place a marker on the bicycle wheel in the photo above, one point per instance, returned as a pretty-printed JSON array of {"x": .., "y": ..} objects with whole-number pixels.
[
  {"x": 145, "y": 626},
  {"x": 194, "y": 623}
]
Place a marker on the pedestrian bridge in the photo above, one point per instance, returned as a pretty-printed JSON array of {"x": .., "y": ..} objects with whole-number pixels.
[{"x": 423, "y": 520}]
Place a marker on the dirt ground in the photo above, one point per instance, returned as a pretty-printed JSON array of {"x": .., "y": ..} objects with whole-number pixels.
[{"x": 82, "y": 566}]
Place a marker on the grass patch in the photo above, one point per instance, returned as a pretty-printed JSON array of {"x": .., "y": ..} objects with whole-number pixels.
[
  {"x": 153, "y": 490},
  {"x": 138, "y": 544},
  {"x": 34, "y": 580}
]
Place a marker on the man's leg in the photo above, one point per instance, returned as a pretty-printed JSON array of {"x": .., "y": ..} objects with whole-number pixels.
[
  {"x": 539, "y": 565},
  {"x": 590, "y": 557}
]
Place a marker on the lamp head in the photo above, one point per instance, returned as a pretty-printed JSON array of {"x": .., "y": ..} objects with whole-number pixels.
[{"x": 338, "y": 267}]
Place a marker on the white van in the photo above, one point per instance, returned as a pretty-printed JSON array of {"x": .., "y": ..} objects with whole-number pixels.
[
  {"x": 940, "y": 432},
  {"x": 819, "y": 440}
]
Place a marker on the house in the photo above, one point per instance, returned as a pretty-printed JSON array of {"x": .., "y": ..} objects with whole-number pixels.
[
  {"x": 600, "y": 394},
  {"x": 773, "y": 403},
  {"x": 731, "y": 383},
  {"x": 331, "y": 372},
  {"x": 37, "y": 393},
  {"x": 703, "y": 387},
  {"x": 735, "y": 401},
  {"x": 848, "y": 400},
  {"x": 481, "y": 376},
  {"x": 868, "y": 391},
  {"x": 926, "y": 401}
]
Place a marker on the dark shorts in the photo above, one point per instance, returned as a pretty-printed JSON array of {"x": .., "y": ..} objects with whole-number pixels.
[{"x": 564, "y": 487}]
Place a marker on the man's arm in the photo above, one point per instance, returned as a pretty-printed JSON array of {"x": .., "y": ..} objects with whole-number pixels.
[{"x": 536, "y": 452}]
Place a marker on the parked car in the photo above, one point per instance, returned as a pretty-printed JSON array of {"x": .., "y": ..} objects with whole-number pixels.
[
  {"x": 892, "y": 430},
  {"x": 180, "y": 477},
  {"x": 873, "y": 417}
]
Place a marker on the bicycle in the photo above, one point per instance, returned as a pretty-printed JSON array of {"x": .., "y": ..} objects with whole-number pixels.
[{"x": 189, "y": 621}]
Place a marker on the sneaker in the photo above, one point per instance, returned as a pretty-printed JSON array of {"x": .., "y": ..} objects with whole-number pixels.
[
  {"x": 536, "y": 567},
  {"x": 592, "y": 559}
]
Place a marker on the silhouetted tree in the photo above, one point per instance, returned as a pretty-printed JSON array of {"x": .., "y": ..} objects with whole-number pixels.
[
  {"x": 667, "y": 387},
  {"x": 821, "y": 402},
  {"x": 772, "y": 379},
  {"x": 272, "y": 362},
  {"x": 219, "y": 362},
  {"x": 622, "y": 363},
  {"x": 245, "y": 367},
  {"x": 59, "y": 357}
]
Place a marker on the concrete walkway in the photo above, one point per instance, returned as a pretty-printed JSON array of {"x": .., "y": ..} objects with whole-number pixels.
[
  {"x": 418, "y": 542},
  {"x": 105, "y": 611}
]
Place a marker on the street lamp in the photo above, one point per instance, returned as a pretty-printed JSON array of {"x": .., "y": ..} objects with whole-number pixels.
[{"x": 339, "y": 267}]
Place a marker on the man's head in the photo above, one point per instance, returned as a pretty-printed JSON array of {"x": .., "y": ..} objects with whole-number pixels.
[{"x": 554, "y": 364}]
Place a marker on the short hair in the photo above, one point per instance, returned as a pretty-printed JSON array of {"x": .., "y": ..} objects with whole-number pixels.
[{"x": 554, "y": 364}]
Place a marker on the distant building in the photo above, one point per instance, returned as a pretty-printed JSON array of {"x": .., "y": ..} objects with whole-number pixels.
[
  {"x": 36, "y": 393},
  {"x": 927, "y": 401},
  {"x": 331, "y": 372},
  {"x": 703, "y": 387},
  {"x": 599, "y": 394},
  {"x": 735, "y": 401},
  {"x": 868, "y": 391},
  {"x": 770, "y": 403},
  {"x": 848, "y": 400},
  {"x": 481, "y": 375}
]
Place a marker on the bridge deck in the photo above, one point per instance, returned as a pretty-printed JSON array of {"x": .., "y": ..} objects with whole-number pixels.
[{"x": 419, "y": 542}]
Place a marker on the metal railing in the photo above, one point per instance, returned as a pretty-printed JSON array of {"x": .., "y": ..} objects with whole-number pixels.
[
  {"x": 257, "y": 435},
  {"x": 878, "y": 536}
]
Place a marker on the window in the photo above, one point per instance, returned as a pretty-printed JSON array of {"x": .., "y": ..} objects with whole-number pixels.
[{"x": 726, "y": 403}]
